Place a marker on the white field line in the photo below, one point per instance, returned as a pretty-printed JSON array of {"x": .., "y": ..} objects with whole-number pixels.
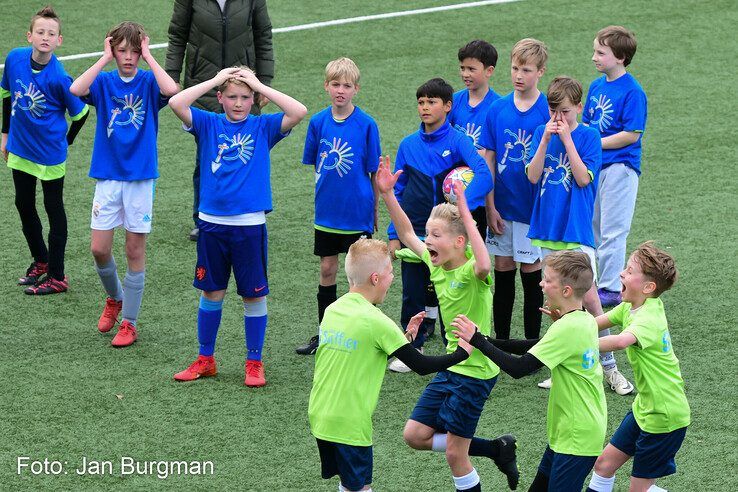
[{"x": 335, "y": 22}]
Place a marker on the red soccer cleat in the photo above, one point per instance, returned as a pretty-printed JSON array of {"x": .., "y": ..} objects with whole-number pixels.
[
  {"x": 34, "y": 273},
  {"x": 49, "y": 285},
  {"x": 254, "y": 374},
  {"x": 109, "y": 316},
  {"x": 203, "y": 367},
  {"x": 126, "y": 335}
]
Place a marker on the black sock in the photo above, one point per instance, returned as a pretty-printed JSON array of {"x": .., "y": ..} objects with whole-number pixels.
[
  {"x": 532, "y": 300},
  {"x": 476, "y": 488},
  {"x": 540, "y": 483},
  {"x": 502, "y": 302},
  {"x": 484, "y": 447},
  {"x": 326, "y": 297}
]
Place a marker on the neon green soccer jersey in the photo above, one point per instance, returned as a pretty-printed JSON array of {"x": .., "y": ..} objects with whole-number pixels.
[
  {"x": 661, "y": 404},
  {"x": 459, "y": 291},
  {"x": 355, "y": 339},
  {"x": 576, "y": 420}
]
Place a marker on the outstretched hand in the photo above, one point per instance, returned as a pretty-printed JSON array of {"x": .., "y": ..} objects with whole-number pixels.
[
  {"x": 460, "y": 192},
  {"x": 464, "y": 328},
  {"x": 551, "y": 312},
  {"x": 414, "y": 325},
  {"x": 386, "y": 179}
]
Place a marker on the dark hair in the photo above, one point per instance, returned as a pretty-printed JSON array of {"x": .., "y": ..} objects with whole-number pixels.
[
  {"x": 46, "y": 13},
  {"x": 130, "y": 32},
  {"x": 562, "y": 88},
  {"x": 621, "y": 41},
  {"x": 436, "y": 88},
  {"x": 480, "y": 50}
]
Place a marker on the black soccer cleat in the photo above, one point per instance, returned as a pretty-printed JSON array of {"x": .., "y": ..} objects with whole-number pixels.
[
  {"x": 506, "y": 460},
  {"x": 310, "y": 347}
]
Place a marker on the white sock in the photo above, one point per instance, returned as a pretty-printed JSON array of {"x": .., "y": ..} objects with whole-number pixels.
[
  {"x": 467, "y": 481},
  {"x": 656, "y": 488},
  {"x": 601, "y": 484},
  {"x": 439, "y": 442}
]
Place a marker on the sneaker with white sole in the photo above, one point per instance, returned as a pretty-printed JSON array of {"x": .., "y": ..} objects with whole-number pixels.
[
  {"x": 398, "y": 366},
  {"x": 545, "y": 384},
  {"x": 618, "y": 383}
]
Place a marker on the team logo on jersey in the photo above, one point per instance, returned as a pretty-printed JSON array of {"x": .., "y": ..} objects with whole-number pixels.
[
  {"x": 238, "y": 147},
  {"x": 337, "y": 155},
  {"x": 516, "y": 150},
  {"x": 558, "y": 175},
  {"x": 472, "y": 131},
  {"x": 601, "y": 113},
  {"x": 128, "y": 111},
  {"x": 337, "y": 340},
  {"x": 30, "y": 99},
  {"x": 666, "y": 342},
  {"x": 589, "y": 358}
]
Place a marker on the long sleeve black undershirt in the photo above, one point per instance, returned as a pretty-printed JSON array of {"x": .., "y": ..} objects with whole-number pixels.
[
  {"x": 7, "y": 106},
  {"x": 516, "y": 367},
  {"x": 75, "y": 127},
  {"x": 426, "y": 364}
]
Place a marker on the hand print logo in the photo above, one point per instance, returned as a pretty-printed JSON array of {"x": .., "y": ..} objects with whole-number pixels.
[
  {"x": 238, "y": 146},
  {"x": 561, "y": 174},
  {"x": 131, "y": 109},
  {"x": 336, "y": 157},
  {"x": 601, "y": 113},
  {"x": 520, "y": 141},
  {"x": 472, "y": 131},
  {"x": 30, "y": 99}
]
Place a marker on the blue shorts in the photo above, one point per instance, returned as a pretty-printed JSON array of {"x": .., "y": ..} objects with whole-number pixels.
[
  {"x": 565, "y": 472},
  {"x": 222, "y": 247},
  {"x": 653, "y": 454},
  {"x": 453, "y": 403},
  {"x": 352, "y": 464}
]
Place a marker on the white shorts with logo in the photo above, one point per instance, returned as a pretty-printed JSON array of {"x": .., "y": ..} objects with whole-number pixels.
[
  {"x": 513, "y": 242},
  {"x": 126, "y": 203},
  {"x": 590, "y": 252}
]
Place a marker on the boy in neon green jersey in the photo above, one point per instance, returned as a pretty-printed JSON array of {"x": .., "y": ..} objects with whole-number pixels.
[
  {"x": 446, "y": 415},
  {"x": 355, "y": 341},
  {"x": 654, "y": 430},
  {"x": 577, "y": 412}
]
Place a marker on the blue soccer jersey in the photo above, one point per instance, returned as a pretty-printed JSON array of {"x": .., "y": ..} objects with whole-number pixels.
[
  {"x": 614, "y": 107},
  {"x": 344, "y": 154},
  {"x": 563, "y": 210},
  {"x": 38, "y": 102},
  {"x": 509, "y": 134},
  {"x": 471, "y": 120},
  {"x": 234, "y": 161},
  {"x": 127, "y": 125},
  {"x": 426, "y": 159}
]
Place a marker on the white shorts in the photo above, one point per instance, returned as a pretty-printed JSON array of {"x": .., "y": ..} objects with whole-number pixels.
[
  {"x": 126, "y": 203},
  {"x": 513, "y": 242},
  {"x": 590, "y": 252}
]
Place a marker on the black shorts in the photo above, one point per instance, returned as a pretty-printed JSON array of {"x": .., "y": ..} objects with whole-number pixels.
[
  {"x": 479, "y": 215},
  {"x": 353, "y": 464},
  {"x": 332, "y": 243}
]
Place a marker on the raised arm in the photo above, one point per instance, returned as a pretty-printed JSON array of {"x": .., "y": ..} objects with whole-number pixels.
[
  {"x": 81, "y": 86},
  {"x": 167, "y": 86},
  {"x": 181, "y": 102},
  {"x": 482, "y": 263},
  {"x": 385, "y": 181},
  {"x": 294, "y": 110}
]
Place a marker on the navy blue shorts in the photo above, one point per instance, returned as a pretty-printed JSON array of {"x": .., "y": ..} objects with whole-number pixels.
[
  {"x": 352, "y": 464},
  {"x": 653, "y": 454},
  {"x": 565, "y": 472},
  {"x": 222, "y": 247},
  {"x": 453, "y": 403}
]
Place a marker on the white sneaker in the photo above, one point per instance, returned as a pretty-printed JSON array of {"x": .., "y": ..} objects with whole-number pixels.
[
  {"x": 545, "y": 384},
  {"x": 618, "y": 383},
  {"x": 398, "y": 366}
]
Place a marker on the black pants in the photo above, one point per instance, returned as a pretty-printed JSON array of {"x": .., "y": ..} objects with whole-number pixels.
[{"x": 25, "y": 202}]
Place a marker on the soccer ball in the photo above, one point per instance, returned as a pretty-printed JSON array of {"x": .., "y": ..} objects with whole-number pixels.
[{"x": 463, "y": 174}]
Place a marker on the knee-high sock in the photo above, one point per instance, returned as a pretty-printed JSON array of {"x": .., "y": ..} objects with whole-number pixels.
[
  {"x": 133, "y": 290},
  {"x": 109, "y": 277},
  {"x": 601, "y": 484},
  {"x": 502, "y": 302},
  {"x": 255, "y": 323},
  {"x": 532, "y": 301},
  {"x": 208, "y": 322},
  {"x": 326, "y": 297},
  {"x": 469, "y": 482}
]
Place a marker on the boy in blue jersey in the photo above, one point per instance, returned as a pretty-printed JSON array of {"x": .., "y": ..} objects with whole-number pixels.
[
  {"x": 125, "y": 165},
  {"x": 426, "y": 157},
  {"x": 616, "y": 106},
  {"x": 235, "y": 196},
  {"x": 477, "y": 61},
  {"x": 342, "y": 144},
  {"x": 507, "y": 136},
  {"x": 35, "y": 94},
  {"x": 565, "y": 167}
]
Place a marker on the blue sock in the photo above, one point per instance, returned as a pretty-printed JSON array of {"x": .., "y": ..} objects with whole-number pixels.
[
  {"x": 133, "y": 289},
  {"x": 255, "y": 323},
  {"x": 208, "y": 321}
]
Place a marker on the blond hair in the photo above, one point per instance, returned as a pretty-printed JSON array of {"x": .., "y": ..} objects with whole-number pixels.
[
  {"x": 46, "y": 13},
  {"x": 364, "y": 257},
  {"x": 342, "y": 69},
  {"x": 574, "y": 269},
  {"x": 657, "y": 265},
  {"x": 562, "y": 88},
  {"x": 449, "y": 213},
  {"x": 620, "y": 40},
  {"x": 531, "y": 51},
  {"x": 234, "y": 81}
]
